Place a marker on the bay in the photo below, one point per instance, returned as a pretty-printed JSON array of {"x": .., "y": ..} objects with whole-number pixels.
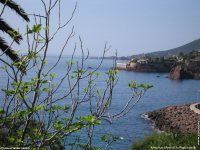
[{"x": 132, "y": 127}]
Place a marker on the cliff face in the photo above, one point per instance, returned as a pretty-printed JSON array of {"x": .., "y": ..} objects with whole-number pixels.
[
  {"x": 150, "y": 67},
  {"x": 192, "y": 71},
  {"x": 197, "y": 76},
  {"x": 142, "y": 68},
  {"x": 178, "y": 73}
]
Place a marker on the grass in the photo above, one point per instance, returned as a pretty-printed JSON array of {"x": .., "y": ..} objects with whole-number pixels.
[{"x": 168, "y": 141}]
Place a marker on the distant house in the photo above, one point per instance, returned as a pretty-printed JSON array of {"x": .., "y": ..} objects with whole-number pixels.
[
  {"x": 132, "y": 64},
  {"x": 142, "y": 61},
  {"x": 195, "y": 60},
  {"x": 121, "y": 66},
  {"x": 195, "y": 53},
  {"x": 194, "y": 64},
  {"x": 133, "y": 60}
]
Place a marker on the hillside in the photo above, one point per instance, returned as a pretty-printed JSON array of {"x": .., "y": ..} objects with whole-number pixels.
[{"x": 187, "y": 48}]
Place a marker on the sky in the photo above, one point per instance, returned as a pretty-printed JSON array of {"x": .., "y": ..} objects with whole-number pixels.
[{"x": 129, "y": 26}]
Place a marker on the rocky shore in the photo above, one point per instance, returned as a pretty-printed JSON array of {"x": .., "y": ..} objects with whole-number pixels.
[
  {"x": 146, "y": 67},
  {"x": 178, "y": 73},
  {"x": 177, "y": 119}
]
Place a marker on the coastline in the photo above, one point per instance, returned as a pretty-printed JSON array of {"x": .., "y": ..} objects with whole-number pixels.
[
  {"x": 176, "y": 119},
  {"x": 153, "y": 126}
]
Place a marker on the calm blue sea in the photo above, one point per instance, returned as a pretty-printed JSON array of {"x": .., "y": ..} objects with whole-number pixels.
[{"x": 132, "y": 127}]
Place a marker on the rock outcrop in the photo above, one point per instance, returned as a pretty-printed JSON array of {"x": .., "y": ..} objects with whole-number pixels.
[
  {"x": 149, "y": 67},
  {"x": 178, "y": 73},
  {"x": 197, "y": 76},
  {"x": 177, "y": 119}
]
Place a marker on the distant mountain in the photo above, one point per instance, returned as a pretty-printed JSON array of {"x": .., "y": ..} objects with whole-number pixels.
[{"x": 187, "y": 48}]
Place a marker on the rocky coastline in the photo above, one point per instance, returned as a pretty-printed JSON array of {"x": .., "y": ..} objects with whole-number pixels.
[
  {"x": 176, "y": 119},
  {"x": 148, "y": 68},
  {"x": 179, "y": 67},
  {"x": 175, "y": 73},
  {"x": 179, "y": 73}
]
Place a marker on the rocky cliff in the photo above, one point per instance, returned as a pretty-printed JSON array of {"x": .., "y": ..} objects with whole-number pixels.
[
  {"x": 177, "y": 119},
  {"x": 179, "y": 73},
  {"x": 149, "y": 67},
  {"x": 190, "y": 71}
]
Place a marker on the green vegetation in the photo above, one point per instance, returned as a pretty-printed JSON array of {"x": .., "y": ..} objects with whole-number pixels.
[
  {"x": 6, "y": 28},
  {"x": 166, "y": 140},
  {"x": 35, "y": 113},
  {"x": 185, "y": 49}
]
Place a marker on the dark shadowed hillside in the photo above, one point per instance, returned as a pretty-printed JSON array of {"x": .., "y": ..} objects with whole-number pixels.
[{"x": 187, "y": 48}]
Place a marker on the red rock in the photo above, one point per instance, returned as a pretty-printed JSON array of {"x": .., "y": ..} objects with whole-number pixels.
[{"x": 176, "y": 118}]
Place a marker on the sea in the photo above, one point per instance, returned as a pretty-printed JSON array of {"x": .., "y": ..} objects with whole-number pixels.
[{"x": 133, "y": 126}]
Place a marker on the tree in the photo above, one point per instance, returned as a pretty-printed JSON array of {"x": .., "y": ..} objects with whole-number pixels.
[
  {"x": 34, "y": 115},
  {"x": 4, "y": 27},
  {"x": 181, "y": 54}
]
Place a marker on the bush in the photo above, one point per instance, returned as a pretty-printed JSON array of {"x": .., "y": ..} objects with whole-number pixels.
[
  {"x": 34, "y": 113},
  {"x": 167, "y": 141}
]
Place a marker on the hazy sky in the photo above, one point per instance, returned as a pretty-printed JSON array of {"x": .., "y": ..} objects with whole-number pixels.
[{"x": 130, "y": 26}]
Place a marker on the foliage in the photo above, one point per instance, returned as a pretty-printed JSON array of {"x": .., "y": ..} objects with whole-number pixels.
[
  {"x": 167, "y": 140},
  {"x": 33, "y": 115},
  {"x": 5, "y": 27}
]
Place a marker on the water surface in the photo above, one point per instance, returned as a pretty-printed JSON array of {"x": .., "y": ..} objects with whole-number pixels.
[{"x": 132, "y": 127}]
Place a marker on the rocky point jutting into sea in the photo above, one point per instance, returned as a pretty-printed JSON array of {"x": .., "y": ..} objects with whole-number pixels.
[
  {"x": 177, "y": 119},
  {"x": 178, "y": 67}
]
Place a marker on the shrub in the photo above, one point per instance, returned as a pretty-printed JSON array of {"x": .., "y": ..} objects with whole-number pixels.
[{"x": 167, "y": 141}]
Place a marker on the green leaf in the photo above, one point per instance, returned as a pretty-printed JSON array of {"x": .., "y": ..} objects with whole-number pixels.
[
  {"x": 65, "y": 119},
  {"x": 66, "y": 108},
  {"x": 44, "y": 75},
  {"x": 107, "y": 104},
  {"x": 85, "y": 90},
  {"x": 90, "y": 82},
  {"x": 56, "y": 107},
  {"x": 132, "y": 85},
  {"x": 44, "y": 62},
  {"x": 104, "y": 138},
  {"x": 45, "y": 81},
  {"x": 90, "y": 119},
  {"x": 71, "y": 63},
  {"x": 53, "y": 75},
  {"x": 37, "y": 108},
  {"x": 2, "y": 111},
  {"x": 32, "y": 55},
  {"x": 58, "y": 125},
  {"x": 29, "y": 31},
  {"x": 145, "y": 86},
  {"x": 45, "y": 89},
  {"x": 37, "y": 28},
  {"x": 99, "y": 92},
  {"x": 11, "y": 139},
  {"x": 8, "y": 92},
  {"x": 21, "y": 113},
  {"x": 116, "y": 71},
  {"x": 40, "y": 40}
]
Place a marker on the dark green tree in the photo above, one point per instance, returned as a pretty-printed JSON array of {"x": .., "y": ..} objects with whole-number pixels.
[{"x": 6, "y": 28}]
